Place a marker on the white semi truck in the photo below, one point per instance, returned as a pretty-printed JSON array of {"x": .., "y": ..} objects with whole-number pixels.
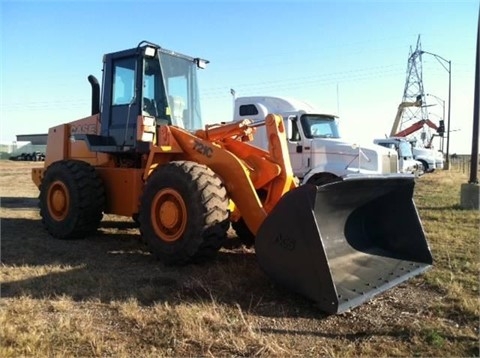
[
  {"x": 317, "y": 151},
  {"x": 406, "y": 161},
  {"x": 430, "y": 158}
]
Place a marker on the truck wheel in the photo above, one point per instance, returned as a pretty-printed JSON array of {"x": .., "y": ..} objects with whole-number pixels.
[
  {"x": 243, "y": 232},
  {"x": 323, "y": 178},
  {"x": 72, "y": 199},
  {"x": 183, "y": 212},
  {"x": 426, "y": 168}
]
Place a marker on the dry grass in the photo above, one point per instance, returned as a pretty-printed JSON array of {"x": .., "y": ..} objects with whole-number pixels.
[
  {"x": 107, "y": 296},
  {"x": 454, "y": 235}
]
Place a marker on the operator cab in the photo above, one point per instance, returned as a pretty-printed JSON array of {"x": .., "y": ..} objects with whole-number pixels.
[
  {"x": 150, "y": 85},
  {"x": 170, "y": 92}
]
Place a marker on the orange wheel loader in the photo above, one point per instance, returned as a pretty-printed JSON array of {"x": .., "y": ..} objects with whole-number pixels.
[{"x": 144, "y": 153}]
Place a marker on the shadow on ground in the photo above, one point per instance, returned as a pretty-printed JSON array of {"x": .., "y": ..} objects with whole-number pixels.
[
  {"x": 113, "y": 265},
  {"x": 18, "y": 203}
]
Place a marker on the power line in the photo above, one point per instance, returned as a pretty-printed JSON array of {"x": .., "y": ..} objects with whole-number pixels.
[{"x": 297, "y": 83}]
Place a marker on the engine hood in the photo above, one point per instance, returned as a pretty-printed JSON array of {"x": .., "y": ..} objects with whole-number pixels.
[
  {"x": 340, "y": 156},
  {"x": 350, "y": 148}
]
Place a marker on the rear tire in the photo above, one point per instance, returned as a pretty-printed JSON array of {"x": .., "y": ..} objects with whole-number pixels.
[
  {"x": 184, "y": 212},
  {"x": 72, "y": 199}
]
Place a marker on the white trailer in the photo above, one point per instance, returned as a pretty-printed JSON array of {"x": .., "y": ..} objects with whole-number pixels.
[{"x": 317, "y": 151}]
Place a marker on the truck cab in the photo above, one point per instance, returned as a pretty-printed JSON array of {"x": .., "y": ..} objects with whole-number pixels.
[
  {"x": 318, "y": 152},
  {"x": 406, "y": 161},
  {"x": 429, "y": 157}
]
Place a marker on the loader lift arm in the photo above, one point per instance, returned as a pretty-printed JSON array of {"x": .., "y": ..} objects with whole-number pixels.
[{"x": 243, "y": 168}]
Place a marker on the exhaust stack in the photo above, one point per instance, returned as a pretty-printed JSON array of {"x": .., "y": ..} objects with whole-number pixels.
[{"x": 95, "y": 94}]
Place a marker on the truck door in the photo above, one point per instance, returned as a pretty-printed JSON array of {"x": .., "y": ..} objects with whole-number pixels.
[{"x": 299, "y": 155}]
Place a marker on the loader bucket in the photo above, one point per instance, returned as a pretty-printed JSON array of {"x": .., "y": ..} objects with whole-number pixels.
[{"x": 342, "y": 243}]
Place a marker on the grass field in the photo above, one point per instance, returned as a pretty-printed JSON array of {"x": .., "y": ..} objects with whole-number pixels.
[{"x": 107, "y": 296}]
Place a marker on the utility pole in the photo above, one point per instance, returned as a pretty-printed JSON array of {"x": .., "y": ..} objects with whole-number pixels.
[{"x": 470, "y": 192}]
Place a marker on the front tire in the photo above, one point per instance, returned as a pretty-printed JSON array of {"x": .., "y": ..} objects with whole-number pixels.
[
  {"x": 183, "y": 212},
  {"x": 72, "y": 199}
]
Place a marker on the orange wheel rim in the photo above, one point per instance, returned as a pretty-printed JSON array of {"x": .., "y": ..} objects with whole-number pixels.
[
  {"x": 168, "y": 215},
  {"x": 58, "y": 200}
]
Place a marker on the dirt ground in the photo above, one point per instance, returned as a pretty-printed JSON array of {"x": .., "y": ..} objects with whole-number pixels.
[{"x": 113, "y": 265}]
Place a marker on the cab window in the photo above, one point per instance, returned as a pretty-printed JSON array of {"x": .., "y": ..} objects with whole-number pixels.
[{"x": 123, "y": 81}]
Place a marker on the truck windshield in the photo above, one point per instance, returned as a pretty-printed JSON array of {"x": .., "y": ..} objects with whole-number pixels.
[
  {"x": 405, "y": 149},
  {"x": 180, "y": 84},
  {"x": 319, "y": 126}
]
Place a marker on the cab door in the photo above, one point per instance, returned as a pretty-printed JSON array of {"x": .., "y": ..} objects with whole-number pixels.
[
  {"x": 121, "y": 104},
  {"x": 299, "y": 154}
]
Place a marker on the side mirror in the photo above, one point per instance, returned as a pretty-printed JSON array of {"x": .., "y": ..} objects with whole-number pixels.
[
  {"x": 290, "y": 121},
  {"x": 201, "y": 63}
]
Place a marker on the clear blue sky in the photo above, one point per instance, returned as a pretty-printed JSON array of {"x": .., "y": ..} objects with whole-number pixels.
[{"x": 346, "y": 57}]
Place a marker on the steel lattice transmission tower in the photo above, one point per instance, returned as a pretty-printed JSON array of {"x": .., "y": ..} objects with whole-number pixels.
[{"x": 413, "y": 89}]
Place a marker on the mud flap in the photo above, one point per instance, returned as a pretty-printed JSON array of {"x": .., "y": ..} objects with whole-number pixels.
[{"x": 342, "y": 243}]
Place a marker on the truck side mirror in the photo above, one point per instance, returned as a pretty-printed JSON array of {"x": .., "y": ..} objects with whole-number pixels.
[
  {"x": 289, "y": 127},
  {"x": 292, "y": 129}
]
